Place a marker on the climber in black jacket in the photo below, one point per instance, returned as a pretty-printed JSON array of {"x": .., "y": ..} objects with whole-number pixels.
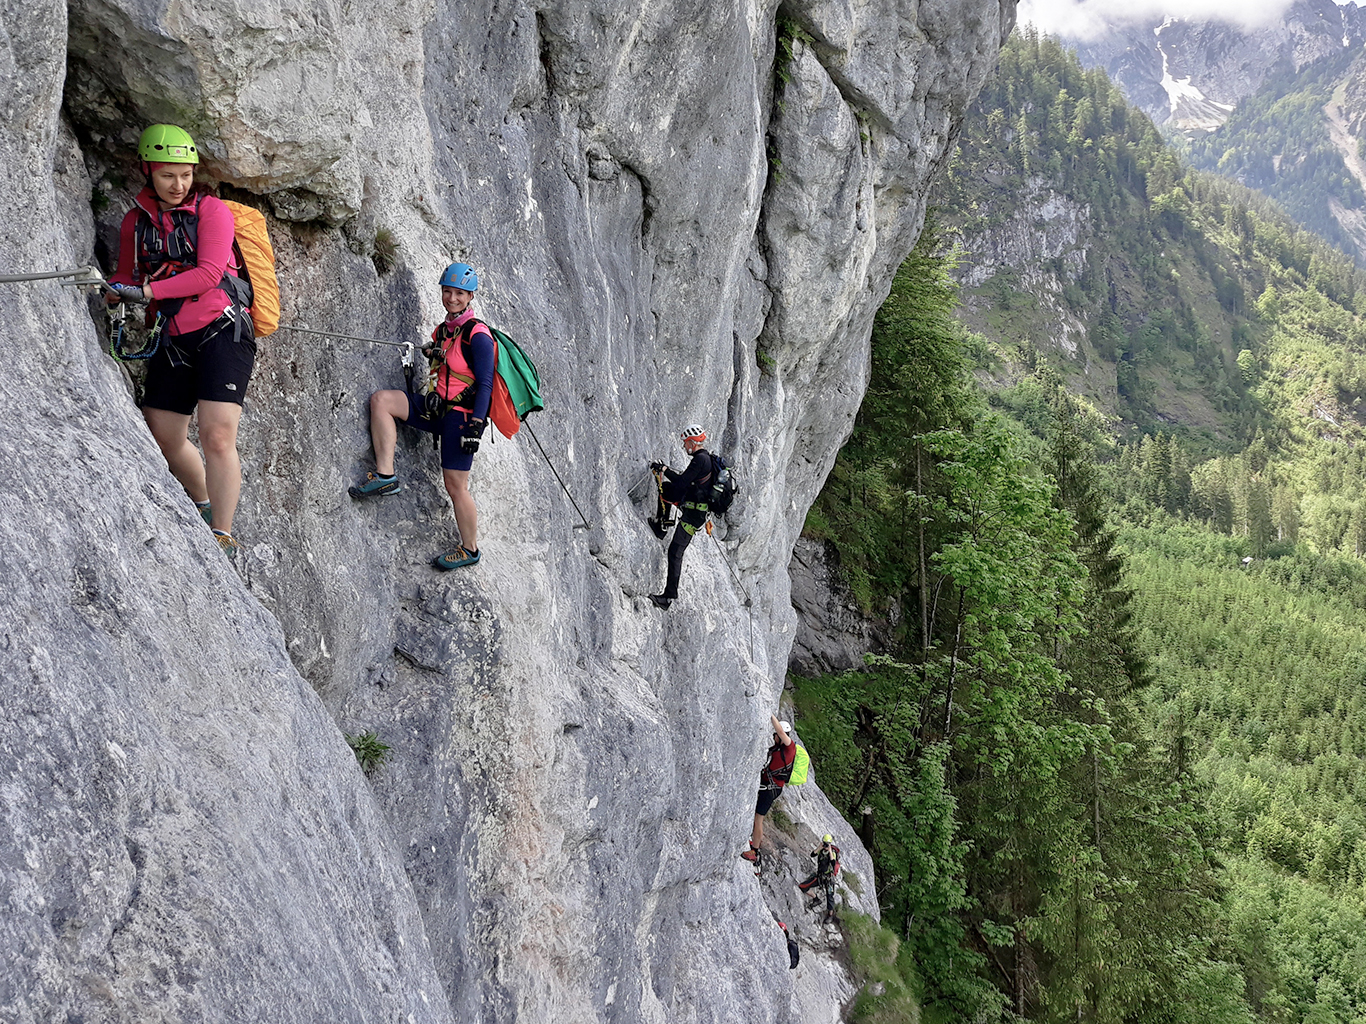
[{"x": 687, "y": 490}]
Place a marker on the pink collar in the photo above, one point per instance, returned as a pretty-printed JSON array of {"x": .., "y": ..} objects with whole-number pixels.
[{"x": 148, "y": 200}]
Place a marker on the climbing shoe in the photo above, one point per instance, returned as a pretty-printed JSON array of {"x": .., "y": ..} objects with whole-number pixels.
[
  {"x": 205, "y": 511},
  {"x": 752, "y": 854},
  {"x": 227, "y": 542},
  {"x": 455, "y": 559},
  {"x": 375, "y": 485},
  {"x": 660, "y": 601}
]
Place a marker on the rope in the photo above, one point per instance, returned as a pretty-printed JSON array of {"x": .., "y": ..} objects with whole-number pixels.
[
  {"x": 90, "y": 275},
  {"x": 348, "y": 337},
  {"x": 586, "y": 524},
  {"x": 749, "y": 604}
]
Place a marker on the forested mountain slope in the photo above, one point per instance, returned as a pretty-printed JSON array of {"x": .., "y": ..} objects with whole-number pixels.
[
  {"x": 1115, "y": 762},
  {"x": 1149, "y": 286},
  {"x": 1296, "y": 140}
]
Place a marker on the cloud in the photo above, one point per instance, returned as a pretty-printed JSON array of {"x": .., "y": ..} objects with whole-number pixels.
[{"x": 1087, "y": 19}]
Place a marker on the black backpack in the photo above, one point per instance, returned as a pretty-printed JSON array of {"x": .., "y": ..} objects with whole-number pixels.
[{"x": 723, "y": 487}]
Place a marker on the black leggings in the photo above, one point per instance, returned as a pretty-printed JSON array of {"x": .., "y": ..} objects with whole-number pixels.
[{"x": 682, "y": 538}]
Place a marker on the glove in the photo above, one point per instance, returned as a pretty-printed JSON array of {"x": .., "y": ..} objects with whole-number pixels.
[
  {"x": 657, "y": 467},
  {"x": 128, "y": 292},
  {"x": 470, "y": 434}
]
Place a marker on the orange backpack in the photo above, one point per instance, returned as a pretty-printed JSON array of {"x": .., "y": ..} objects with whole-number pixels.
[{"x": 258, "y": 262}]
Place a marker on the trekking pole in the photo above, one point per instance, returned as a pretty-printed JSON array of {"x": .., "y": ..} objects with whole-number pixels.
[{"x": 586, "y": 524}]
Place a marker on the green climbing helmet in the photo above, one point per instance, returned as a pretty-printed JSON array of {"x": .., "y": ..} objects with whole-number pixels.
[{"x": 167, "y": 144}]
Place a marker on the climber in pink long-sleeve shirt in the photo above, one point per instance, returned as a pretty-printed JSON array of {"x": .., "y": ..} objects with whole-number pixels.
[{"x": 176, "y": 251}]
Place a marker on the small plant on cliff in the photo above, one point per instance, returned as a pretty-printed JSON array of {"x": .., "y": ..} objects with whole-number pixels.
[
  {"x": 385, "y": 254},
  {"x": 789, "y": 32},
  {"x": 783, "y": 822},
  {"x": 370, "y": 752}
]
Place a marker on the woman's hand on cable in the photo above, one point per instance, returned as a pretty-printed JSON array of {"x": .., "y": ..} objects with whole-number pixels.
[
  {"x": 470, "y": 434},
  {"x": 128, "y": 293}
]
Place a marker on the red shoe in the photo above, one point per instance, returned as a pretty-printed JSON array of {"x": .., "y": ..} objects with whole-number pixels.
[{"x": 751, "y": 855}]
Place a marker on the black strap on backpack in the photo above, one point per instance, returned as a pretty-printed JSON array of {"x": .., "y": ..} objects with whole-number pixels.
[
  {"x": 165, "y": 254},
  {"x": 779, "y": 777}
]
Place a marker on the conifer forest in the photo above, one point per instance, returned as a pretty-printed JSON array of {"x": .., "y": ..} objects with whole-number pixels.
[{"x": 1115, "y": 751}]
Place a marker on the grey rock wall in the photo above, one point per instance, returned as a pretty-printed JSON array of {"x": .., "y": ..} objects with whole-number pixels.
[
  {"x": 832, "y": 634},
  {"x": 573, "y": 772},
  {"x": 185, "y": 835}
]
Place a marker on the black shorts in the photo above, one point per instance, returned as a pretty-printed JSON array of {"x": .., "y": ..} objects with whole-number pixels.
[
  {"x": 203, "y": 366},
  {"x": 449, "y": 428},
  {"x": 766, "y": 799}
]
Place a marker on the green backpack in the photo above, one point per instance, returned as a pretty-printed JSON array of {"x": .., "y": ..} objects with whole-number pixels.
[
  {"x": 519, "y": 376},
  {"x": 516, "y": 382},
  {"x": 801, "y": 764}
]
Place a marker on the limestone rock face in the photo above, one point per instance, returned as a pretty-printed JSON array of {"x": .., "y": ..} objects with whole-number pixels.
[
  {"x": 185, "y": 835},
  {"x": 676, "y": 232}
]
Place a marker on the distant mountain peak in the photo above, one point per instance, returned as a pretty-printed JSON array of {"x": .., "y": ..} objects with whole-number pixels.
[{"x": 1191, "y": 73}]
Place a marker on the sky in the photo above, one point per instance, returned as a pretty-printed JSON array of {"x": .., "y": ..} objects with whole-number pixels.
[{"x": 1081, "y": 19}]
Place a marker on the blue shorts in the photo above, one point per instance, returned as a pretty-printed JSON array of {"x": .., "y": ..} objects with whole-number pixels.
[{"x": 447, "y": 428}]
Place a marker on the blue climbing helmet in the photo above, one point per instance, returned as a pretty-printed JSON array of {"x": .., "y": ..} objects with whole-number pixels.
[{"x": 460, "y": 275}]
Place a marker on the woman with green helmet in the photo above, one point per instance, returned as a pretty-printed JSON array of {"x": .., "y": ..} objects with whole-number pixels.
[{"x": 176, "y": 252}]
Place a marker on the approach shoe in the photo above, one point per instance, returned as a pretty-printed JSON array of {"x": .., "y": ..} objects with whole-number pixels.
[
  {"x": 375, "y": 485},
  {"x": 205, "y": 511},
  {"x": 455, "y": 559},
  {"x": 660, "y": 601},
  {"x": 227, "y": 542}
]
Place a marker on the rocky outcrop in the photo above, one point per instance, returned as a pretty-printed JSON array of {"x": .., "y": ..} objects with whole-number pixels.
[
  {"x": 1040, "y": 247},
  {"x": 676, "y": 233},
  {"x": 832, "y": 635}
]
